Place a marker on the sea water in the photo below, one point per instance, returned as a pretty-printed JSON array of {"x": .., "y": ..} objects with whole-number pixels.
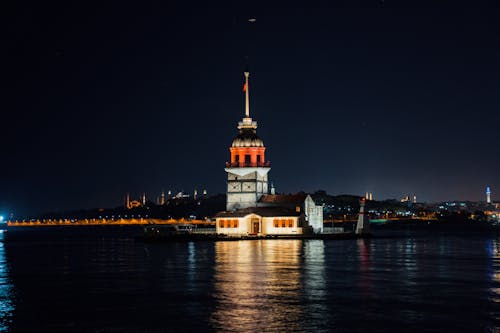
[{"x": 99, "y": 279}]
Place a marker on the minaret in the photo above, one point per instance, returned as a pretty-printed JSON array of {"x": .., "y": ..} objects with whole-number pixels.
[
  {"x": 488, "y": 195},
  {"x": 195, "y": 194},
  {"x": 127, "y": 201},
  {"x": 144, "y": 199},
  {"x": 162, "y": 198},
  {"x": 247, "y": 170},
  {"x": 363, "y": 225}
]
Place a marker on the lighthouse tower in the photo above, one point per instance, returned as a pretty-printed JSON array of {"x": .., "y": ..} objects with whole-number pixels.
[
  {"x": 248, "y": 168},
  {"x": 363, "y": 225},
  {"x": 488, "y": 195}
]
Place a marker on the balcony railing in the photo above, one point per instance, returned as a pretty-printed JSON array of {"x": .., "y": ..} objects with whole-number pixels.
[{"x": 247, "y": 164}]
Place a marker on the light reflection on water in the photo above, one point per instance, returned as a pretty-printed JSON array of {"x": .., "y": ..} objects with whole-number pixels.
[
  {"x": 6, "y": 293},
  {"x": 493, "y": 249},
  {"x": 258, "y": 285}
]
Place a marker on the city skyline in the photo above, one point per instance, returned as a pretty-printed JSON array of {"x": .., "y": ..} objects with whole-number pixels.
[{"x": 352, "y": 99}]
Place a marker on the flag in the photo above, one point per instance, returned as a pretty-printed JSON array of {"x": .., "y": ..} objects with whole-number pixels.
[{"x": 244, "y": 87}]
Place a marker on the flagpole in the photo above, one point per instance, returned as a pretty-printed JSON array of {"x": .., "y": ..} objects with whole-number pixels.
[{"x": 247, "y": 100}]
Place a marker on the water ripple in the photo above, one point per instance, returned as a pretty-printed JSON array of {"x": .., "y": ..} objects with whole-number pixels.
[{"x": 6, "y": 291}]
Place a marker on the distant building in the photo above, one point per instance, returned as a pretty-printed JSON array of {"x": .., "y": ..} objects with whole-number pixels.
[
  {"x": 129, "y": 204},
  {"x": 250, "y": 209},
  {"x": 488, "y": 195},
  {"x": 162, "y": 198}
]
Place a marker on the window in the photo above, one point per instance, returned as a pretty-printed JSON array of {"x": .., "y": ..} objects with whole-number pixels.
[
  {"x": 235, "y": 223},
  {"x": 276, "y": 223},
  {"x": 283, "y": 223},
  {"x": 237, "y": 158},
  {"x": 290, "y": 223},
  {"x": 221, "y": 223},
  {"x": 247, "y": 158}
]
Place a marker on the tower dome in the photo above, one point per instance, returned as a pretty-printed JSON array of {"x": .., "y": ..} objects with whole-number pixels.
[{"x": 247, "y": 138}]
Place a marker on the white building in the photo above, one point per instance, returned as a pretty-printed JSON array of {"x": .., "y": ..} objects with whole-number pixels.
[{"x": 259, "y": 221}]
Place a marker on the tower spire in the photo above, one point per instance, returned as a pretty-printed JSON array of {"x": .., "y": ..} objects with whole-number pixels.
[{"x": 247, "y": 99}]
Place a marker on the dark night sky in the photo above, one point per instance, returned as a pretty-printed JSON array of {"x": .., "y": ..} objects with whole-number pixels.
[{"x": 393, "y": 97}]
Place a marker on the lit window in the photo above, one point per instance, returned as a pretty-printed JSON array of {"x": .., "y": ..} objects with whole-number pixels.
[
  {"x": 290, "y": 223},
  {"x": 276, "y": 223},
  {"x": 221, "y": 224},
  {"x": 283, "y": 223},
  {"x": 235, "y": 223}
]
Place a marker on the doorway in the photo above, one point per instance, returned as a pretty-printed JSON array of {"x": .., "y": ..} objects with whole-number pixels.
[{"x": 255, "y": 226}]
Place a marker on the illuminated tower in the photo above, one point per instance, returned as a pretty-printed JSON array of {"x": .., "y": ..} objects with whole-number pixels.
[
  {"x": 363, "y": 225},
  {"x": 488, "y": 195},
  {"x": 247, "y": 171},
  {"x": 127, "y": 201}
]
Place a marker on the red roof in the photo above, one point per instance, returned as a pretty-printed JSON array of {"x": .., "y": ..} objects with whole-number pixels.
[{"x": 297, "y": 198}]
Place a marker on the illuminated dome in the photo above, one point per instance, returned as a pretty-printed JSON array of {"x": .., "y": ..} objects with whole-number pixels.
[{"x": 247, "y": 138}]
